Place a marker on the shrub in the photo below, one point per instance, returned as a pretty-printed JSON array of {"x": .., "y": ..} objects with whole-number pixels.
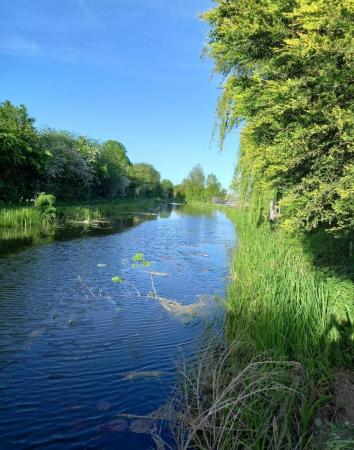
[{"x": 45, "y": 204}]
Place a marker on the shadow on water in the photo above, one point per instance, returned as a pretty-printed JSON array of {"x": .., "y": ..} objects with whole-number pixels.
[{"x": 17, "y": 239}]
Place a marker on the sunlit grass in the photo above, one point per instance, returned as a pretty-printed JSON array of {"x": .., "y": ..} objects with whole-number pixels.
[{"x": 281, "y": 300}]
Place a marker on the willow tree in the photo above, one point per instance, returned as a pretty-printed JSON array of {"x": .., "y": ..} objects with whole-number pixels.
[{"x": 288, "y": 74}]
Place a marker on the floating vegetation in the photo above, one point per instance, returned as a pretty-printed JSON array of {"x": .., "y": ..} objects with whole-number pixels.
[
  {"x": 117, "y": 279},
  {"x": 177, "y": 308},
  {"x": 101, "y": 265},
  {"x": 138, "y": 257},
  {"x": 140, "y": 260},
  {"x": 141, "y": 426},
  {"x": 129, "y": 376},
  {"x": 104, "y": 405}
]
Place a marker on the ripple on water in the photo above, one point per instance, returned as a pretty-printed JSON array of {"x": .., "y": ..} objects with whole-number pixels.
[{"x": 69, "y": 335}]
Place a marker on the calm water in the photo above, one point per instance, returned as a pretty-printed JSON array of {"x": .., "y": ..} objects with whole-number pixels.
[{"x": 72, "y": 342}]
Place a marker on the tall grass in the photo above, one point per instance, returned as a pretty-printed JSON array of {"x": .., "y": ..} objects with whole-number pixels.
[
  {"x": 281, "y": 301},
  {"x": 30, "y": 217},
  {"x": 20, "y": 217}
]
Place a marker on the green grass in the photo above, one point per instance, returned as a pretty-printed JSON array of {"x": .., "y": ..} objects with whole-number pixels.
[
  {"x": 283, "y": 302},
  {"x": 30, "y": 217},
  {"x": 289, "y": 316}
]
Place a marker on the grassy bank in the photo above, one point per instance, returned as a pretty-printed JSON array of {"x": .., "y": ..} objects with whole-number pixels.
[
  {"x": 270, "y": 383},
  {"x": 30, "y": 217},
  {"x": 284, "y": 302}
]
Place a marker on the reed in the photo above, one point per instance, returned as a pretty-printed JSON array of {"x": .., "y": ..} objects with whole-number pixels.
[
  {"x": 282, "y": 301},
  {"x": 22, "y": 217}
]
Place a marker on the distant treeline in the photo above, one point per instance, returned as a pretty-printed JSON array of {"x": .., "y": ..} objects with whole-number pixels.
[
  {"x": 69, "y": 166},
  {"x": 198, "y": 187}
]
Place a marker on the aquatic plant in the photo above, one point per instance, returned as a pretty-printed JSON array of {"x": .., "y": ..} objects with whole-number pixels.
[
  {"x": 139, "y": 259},
  {"x": 118, "y": 279}
]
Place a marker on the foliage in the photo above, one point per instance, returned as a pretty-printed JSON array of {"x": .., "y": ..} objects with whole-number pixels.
[
  {"x": 21, "y": 157},
  {"x": 69, "y": 174},
  {"x": 167, "y": 189},
  {"x": 213, "y": 187},
  {"x": 117, "y": 279},
  {"x": 198, "y": 188},
  {"x": 45, "y": 203},
  {"x": 288, "y": 68},
  {"x": 69, "y": 166},
  {"x": 112, "y": 165},
  {"x": 139, "y": 259},
  {"x": 145, "y": 179}
]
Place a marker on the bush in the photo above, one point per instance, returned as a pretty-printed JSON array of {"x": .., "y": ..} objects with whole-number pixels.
[{"x": 45, "y": 204}]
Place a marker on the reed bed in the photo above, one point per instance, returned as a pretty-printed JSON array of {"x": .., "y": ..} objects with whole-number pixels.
[
  {"x": 282, "y": 302},
  {"x": 22, "y": 217}
]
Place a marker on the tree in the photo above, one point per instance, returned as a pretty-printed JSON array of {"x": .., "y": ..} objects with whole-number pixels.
[
  {"x": 146, "y": 180},
  {"x": 288, "y": 69},
  {"x": 167, "y": 189},
  {"x": 22, "y": 159},
  {"x": 194, "y": 184},
  {"x": 213, "y": 187},
  {"x": 112, "y": 166},
  {"x": 69, "y": 175}
]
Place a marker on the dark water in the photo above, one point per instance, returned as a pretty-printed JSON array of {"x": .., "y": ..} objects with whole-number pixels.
[{"x": 70, "y": 336}]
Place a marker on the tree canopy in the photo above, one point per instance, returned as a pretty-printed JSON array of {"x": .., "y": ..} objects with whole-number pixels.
[
  {"x": 69, "y": 166},
  {"x": 21, "y": 156},
  {"x": 288, "y": 74},
  {"x": 197, "y": 187}
]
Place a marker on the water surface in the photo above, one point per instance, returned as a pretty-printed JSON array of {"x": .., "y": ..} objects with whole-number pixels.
[{"x": 78, "y": 350}]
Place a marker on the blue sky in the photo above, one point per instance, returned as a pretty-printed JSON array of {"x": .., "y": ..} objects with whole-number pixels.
[{"x": 128, "y": 70}]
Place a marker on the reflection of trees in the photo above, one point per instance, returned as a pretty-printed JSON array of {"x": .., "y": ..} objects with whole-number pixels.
[
  {"x": 195, "y": 210},
  {"x": 14, "y": 239},
  {"x": 166, "y": 211}
]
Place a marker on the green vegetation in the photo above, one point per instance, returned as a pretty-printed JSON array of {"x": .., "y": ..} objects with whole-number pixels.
[
  {"x": 139, "y": 259},
  {"x": 287, "y": 68},
  {"x": 198, "y": 188},
  {"x": 118, "y": 279},
  {"x": 68, "y": 166}
]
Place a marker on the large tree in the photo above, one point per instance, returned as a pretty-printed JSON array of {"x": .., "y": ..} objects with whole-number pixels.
[
  {"x": 288, "y": 70},
  {"x": 213, "y": 187},
  {"x": 146, "y": 180},
  {"x": 112, "y": 167},
  {"x": 22, "y": 158},
  {"x": 167, "y": 189},
  {"x": 69, "y": 172},
  {"x": 194, "y": 184}
]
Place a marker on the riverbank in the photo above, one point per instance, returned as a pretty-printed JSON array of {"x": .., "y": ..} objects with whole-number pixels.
[
  {"x": 284, "y": 377},
  {"x": 86, "y": 212}
]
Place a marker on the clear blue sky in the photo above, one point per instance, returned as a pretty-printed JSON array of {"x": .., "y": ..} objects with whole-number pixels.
[{"x": 128, "y": 70}]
